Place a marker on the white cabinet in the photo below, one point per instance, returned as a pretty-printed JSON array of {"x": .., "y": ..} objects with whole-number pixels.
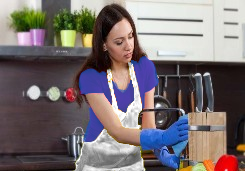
[
  {"x": 174, "y": 31},
  {"x": 178, "y": 1},
  {"x": 229, "y": 30}
]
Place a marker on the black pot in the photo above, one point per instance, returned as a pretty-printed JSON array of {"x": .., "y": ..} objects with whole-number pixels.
[{"x": 162, "y": 118}]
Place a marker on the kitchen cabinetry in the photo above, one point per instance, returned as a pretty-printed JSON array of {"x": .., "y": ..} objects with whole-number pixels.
[
  {"x": 174, "y": 31},
  {"x": 179, "y": 1},
  {"x": 229, "y": 30}
]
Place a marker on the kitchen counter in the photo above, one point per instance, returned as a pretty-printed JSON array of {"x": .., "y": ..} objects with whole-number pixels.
[
  {"x": 52, "y": 162},
  {"x": 63, "y": 162},
  {"x": 40, "y": 162}
]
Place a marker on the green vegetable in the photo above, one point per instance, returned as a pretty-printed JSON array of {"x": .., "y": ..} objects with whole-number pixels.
[{"x": 199, "y": 167}]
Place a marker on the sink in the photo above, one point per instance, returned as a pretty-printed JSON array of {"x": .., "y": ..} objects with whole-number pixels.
[{"x": 45, "y": 158}]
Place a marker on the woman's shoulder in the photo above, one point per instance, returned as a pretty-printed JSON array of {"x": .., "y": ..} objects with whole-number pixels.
[
  {"x": 91, "y": 73},
  {"x": 91, "y": 81},
  {"x": 143, "y": 63}
]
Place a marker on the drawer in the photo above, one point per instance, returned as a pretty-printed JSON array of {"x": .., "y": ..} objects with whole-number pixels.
[
  {"x": 174, "y": 32},
  {"x": 229, "y": 31}
]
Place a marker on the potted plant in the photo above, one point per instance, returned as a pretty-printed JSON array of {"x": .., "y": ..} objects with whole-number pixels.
[
  {"x": 36, "y": 21},
  {"x": 18, "y": 22},
  {"x": 85, "y": 20},
  {"x": 64, "y": 24}
]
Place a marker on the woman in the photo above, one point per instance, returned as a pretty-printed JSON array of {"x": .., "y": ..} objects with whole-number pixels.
[{"x": 118, "y": 81}]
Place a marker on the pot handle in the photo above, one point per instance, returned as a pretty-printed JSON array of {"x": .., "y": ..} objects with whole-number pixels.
[
  {"x": 78, "y": 128},
  {"x": 65, "y": 139}
]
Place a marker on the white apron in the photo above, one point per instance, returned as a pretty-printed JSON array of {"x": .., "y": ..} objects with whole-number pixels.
[{"x": 105, "y": 153}]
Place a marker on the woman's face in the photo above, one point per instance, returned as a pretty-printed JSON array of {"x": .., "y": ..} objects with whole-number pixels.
[{"x": 120, "y": 42}]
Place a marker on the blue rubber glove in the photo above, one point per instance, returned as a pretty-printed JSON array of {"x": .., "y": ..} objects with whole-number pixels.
[
  {"x": 156, "y": 138},
  {"x": 178, "y": 148},
  {"x": 167, "y": 159}
]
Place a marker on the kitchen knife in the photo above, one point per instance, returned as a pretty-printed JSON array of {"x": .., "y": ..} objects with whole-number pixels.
[
  {"x": 199, "y": 92},
  {"x": 209, "y": 91},
  {"x": 179, "y": 97},
  {"x": 165, "y": 87}
]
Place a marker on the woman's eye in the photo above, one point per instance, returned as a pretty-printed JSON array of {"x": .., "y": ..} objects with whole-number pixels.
[{"x": 118, "y": 43}]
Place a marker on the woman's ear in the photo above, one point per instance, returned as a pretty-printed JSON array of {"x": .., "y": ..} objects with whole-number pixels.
[{"x": 104, "y": 47}]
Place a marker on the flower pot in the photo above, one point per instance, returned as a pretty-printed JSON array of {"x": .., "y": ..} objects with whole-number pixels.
[
  {"x": 68, "y": 38},
  {"x": 87, "y": 40},
  {"x": 37, "y": 37},
  {"x": 57, "y": 39},
  {"x": 24, "y": 38}
]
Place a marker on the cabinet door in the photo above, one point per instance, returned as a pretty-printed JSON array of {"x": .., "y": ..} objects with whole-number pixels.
[
  {"x": 229, "y": 20},
  {"x": 174, "y": 32},
  {"x": 179, "y": 1}
]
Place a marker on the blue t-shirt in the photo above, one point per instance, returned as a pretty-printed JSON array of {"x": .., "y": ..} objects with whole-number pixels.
[{"x": 91, "y": 81}]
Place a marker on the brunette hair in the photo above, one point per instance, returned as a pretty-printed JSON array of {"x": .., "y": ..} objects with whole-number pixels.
[{"x": 98, "y": 58}]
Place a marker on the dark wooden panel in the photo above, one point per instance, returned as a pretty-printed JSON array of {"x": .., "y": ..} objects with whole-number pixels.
[
  {"x": 52, "y": 7},
  {"x": 229, "y": 90},
  {"x": 37, "y": 126}
]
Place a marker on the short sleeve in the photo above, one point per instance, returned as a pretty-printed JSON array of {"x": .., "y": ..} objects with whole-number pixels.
[
  {"x": 89, "y": 82},
  {"x": 151, "y": 79}
]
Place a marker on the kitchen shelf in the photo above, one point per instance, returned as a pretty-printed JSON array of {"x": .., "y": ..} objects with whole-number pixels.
[{"x": 43, "y": 52}]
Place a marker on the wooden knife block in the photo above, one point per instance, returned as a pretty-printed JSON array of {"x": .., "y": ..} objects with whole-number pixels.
[{"x": 207, "y": 144}]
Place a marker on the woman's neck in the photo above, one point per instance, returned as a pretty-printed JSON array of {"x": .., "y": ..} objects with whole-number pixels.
[
  {"x": 119, "y": 68},
  {"x": 120, "y": 75}
]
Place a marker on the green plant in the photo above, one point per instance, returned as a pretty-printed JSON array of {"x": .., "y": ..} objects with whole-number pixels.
[
  {"x": 36, "y": 19},
  {"x": 18, "y": 20},
  {"x": 85, "y": 20},
  {"x": 64, "y": 20}
]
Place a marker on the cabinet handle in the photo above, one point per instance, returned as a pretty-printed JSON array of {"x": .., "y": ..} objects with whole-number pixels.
[
  {"x": 243, "y": 32},
  {"x": 171, "y": 53}
]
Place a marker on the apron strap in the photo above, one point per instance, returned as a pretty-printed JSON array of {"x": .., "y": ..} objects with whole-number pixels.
[
  {"x": 134, "y": 82},
  {"x": 109, "y": 78}
]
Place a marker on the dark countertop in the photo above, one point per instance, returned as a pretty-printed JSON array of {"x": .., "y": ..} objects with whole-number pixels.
[
  {"x": 51, "y": 162},
  {"x": 40, "y": 162},
  {"x": 58, "y": 162}
]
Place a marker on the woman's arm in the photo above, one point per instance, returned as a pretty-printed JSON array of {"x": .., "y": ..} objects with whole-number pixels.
[
  {"x": 105, "y": 113},
  {"x": 148, "y": 118}
]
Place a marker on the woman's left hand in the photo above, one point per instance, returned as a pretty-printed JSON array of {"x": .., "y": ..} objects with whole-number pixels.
[{"x": 167, "y": 159}]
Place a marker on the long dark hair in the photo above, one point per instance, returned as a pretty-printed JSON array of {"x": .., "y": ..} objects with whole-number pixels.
[{"x": 98, "y": 58}]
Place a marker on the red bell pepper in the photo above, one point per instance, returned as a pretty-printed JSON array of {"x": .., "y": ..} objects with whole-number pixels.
[{"x": 227, "y": 163}]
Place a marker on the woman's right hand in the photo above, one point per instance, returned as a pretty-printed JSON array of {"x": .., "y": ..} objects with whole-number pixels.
[
  {"x": 177, "y": 132},
  {"x": 156, "y": 138}
]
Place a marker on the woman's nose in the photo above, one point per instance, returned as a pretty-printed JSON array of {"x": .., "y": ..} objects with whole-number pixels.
[{"x": 128, "y": 45}]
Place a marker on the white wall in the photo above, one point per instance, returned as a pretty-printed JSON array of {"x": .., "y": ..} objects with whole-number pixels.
[
  {"x": 96, "y": 5},
  {"x": 8, "y": 36}
]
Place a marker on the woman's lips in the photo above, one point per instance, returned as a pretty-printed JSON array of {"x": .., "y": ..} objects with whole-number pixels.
[{"x": 129, "y": 55}]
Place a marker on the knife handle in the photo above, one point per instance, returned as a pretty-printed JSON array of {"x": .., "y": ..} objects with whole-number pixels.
[
  {"x": 179, "y": 101},
  {"x": 209, "y": 91},
  {"x": 192, "y": 102},
  {"x": 199, "y": 92},
  {"x": 164, "y": 94}
]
